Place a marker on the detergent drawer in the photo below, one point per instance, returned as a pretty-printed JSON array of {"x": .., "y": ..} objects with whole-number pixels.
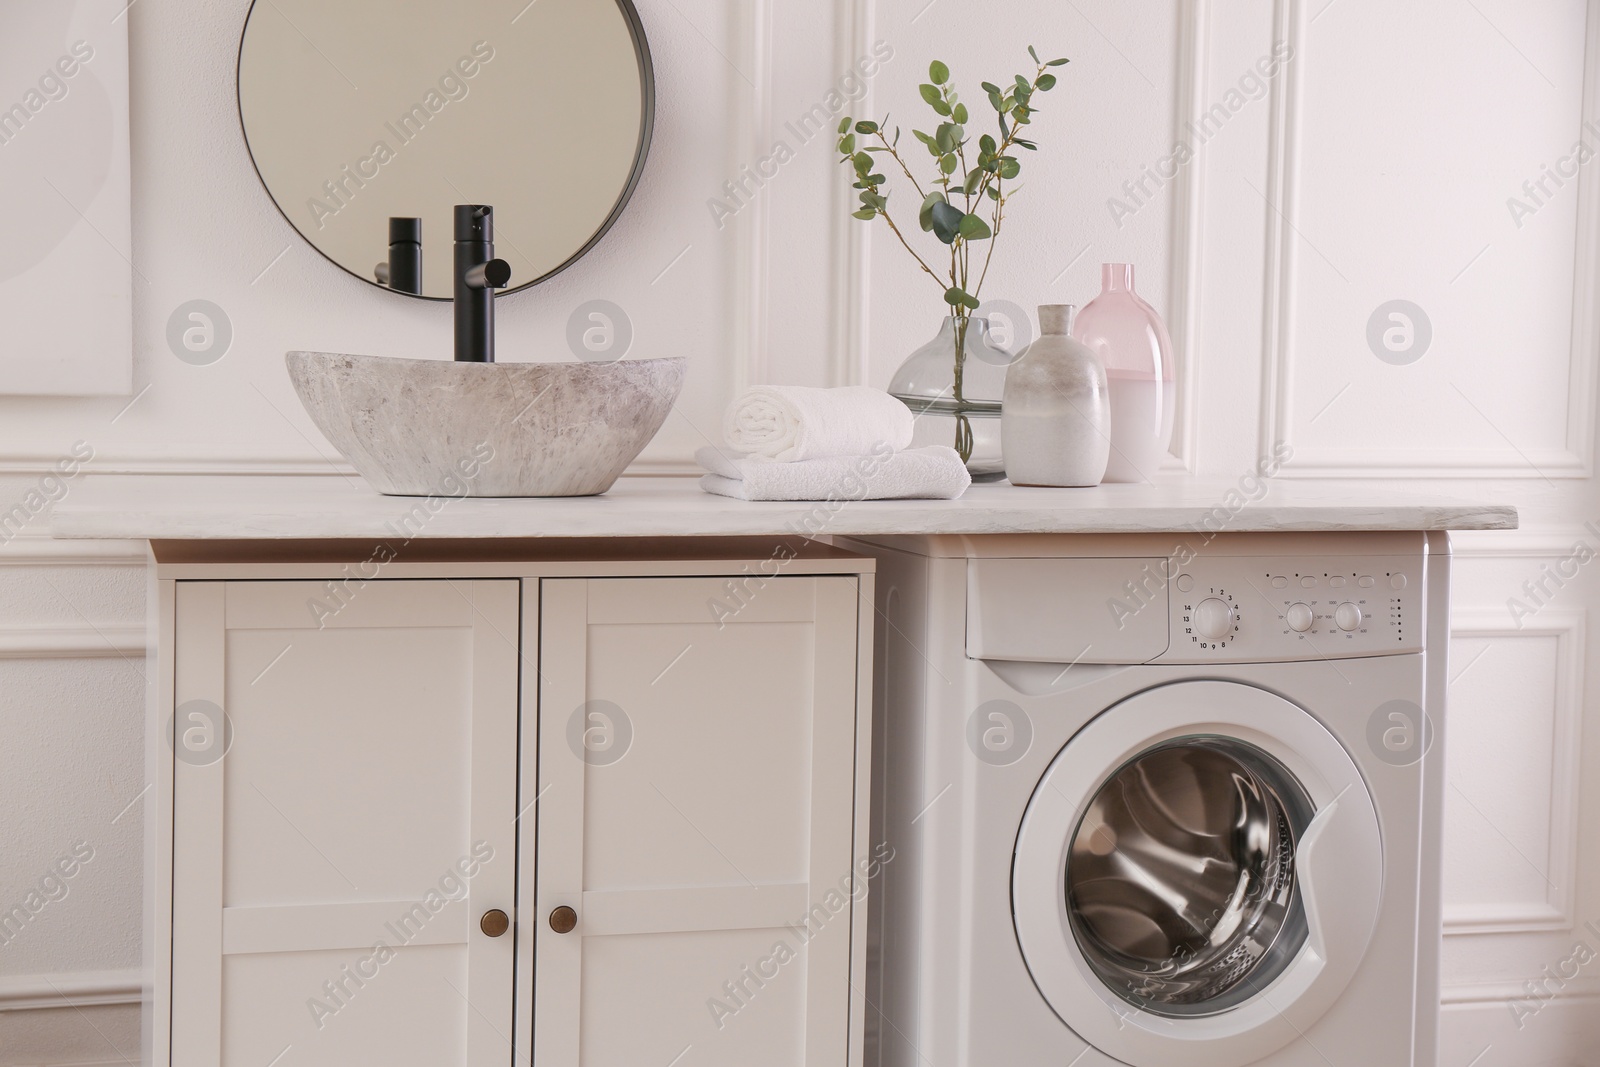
[{"x": 1111, "y": 610}]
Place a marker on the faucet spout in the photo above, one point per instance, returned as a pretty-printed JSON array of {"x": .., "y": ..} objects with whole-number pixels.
[{"x": 495, "y": 274}]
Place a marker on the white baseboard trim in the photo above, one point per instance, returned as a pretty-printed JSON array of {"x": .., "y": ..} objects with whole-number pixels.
[
  {"x": 73, "y": 642},
  {"x": 70, "y": 989}
]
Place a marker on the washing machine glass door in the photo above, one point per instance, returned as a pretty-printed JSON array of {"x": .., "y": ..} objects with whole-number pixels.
[
  {"x": 1180, "y": 878},
  {"x": 1197, "y": 876}
]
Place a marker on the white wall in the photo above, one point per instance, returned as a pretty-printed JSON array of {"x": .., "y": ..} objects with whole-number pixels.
[{"x": 1377, "y": 167}]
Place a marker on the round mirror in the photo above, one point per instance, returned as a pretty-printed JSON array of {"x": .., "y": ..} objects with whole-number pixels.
[{"x": 366, "y": 110}]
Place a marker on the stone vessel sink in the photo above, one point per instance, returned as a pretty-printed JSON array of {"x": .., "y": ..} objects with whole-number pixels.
[{"x": 423, "y": 427}]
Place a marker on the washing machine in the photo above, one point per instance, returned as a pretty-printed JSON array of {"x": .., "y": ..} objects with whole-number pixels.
[{"x": 1158, "y": 800}]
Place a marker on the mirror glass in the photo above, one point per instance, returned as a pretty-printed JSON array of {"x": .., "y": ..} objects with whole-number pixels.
[{"x": 365, "y": 109}]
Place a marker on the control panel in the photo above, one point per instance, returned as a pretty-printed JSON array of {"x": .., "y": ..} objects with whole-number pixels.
[{"x": 1239, "y": 609}]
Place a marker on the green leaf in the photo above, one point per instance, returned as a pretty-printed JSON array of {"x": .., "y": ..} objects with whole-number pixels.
[
  {"x": 994, "y": 194},
  {"x": 945, "y": 135},
  {"x": 955, "y": 297},
  {"x": 925, "y": 215},
  {"x": 863, "y": 163},
  {"x": 1058, "y": 62},
  {"x": 946, "y": 219},
  {"x": 924, "y": 138},
  {"x": 974, "y": 229},
  {"x": 844, "y": 124},
  {"x": 986, "y": 144},
  {"x": 997, "y": 101},
  {"x": 959, "y": 112},
  {"x": 989, "y": 87},
  {"x": 847, "y": 143},
  {"x": 1029, "y": 145},
  {"x": 1047, "y": 82},
  {"x": 931, "y": 94},
  {"x": 865, "y": 213},
  {"x": 972, "y": 182},
  {"x": 938, "y": 73},
  {"x": 866, "y": 127},
  {"x": 947, "y": 164},
  {"x": 874, "y": 200},
  {"x": 1009, "y": 168},
  {"x": 1020, "y": 114},
  {"x": 970, "y": 301},
  {"x": 1032, "y": 53},
  {"x": 941, "y": 108}
]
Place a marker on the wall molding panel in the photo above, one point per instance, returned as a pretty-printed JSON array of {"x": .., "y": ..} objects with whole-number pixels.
[
  {"x": 1500, "y": 457},
  {"x": 72, "y": 642},
  {"x": 1556, "y": 909},
  {"x": 1188, "y": 215},
  {"x": 850, "y": 244},
  {"x": 40, "y": 549},
  {"x": 1530, "y": 542},
  {"x": 69, "y": 989}
]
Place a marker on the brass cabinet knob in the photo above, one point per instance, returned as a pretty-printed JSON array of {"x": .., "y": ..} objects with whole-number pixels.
[
  {"x": 563, "y": 920},
  {"x": 494, "y": 922}
]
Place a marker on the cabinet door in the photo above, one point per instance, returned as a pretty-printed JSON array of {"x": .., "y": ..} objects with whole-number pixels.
[
  {"x": 696, "y": 811},
  {"x": 341, "y": 829}
]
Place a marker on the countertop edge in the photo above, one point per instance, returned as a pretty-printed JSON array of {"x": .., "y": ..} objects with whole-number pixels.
[{"x": 772, "y": 519}]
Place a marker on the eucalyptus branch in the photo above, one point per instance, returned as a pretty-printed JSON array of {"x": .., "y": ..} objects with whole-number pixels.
[
  {"x": 895, "y": 155},
  {"x": 954, "y": 224},
  {"x": 994, "y": 239},
  {"x": 885, "y": 213}
]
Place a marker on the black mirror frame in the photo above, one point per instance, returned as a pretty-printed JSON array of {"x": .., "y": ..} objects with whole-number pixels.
[{"x": 647, "y": 84}]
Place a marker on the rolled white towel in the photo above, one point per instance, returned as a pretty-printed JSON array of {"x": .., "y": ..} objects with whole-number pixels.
[
  {"x": 933, "y": 473},
  {"x": 794, "y": 422}
]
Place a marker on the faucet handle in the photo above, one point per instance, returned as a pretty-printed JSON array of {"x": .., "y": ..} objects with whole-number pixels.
[{"x": 495, "y": 274}]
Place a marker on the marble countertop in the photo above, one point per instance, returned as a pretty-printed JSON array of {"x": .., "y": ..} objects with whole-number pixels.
[{"x": 242, "y": 507}]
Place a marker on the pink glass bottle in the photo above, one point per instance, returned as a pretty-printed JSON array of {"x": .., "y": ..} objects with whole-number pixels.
[{"x": 1132, "y": 341}]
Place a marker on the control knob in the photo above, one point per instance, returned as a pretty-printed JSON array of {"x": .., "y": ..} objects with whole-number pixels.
[
  {"x": 1299, "y": 617},
  {"x": 1348, "y": 616},
  {"x": 1213, "y": 619}
]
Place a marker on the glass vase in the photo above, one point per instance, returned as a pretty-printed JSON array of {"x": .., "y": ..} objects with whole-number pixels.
[
  {"x": 963, "y": 414},
  {"x": 1132, "y": 341}
]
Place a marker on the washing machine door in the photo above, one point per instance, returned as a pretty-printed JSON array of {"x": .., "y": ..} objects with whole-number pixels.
[{"x": 1197, "y": 876}]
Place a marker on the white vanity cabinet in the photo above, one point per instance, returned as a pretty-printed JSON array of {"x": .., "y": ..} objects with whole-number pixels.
[
  {"x": 358, "y": 793},
  {"x": 655, "y": 770}
]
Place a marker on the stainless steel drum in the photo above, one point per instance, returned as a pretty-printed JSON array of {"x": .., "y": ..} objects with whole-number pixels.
[{"x": 1180, "y": 882}]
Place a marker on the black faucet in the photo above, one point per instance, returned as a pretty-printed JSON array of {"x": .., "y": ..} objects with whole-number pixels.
[
  {"x": 478, "y": 274},
  {"x": 402, "y": 272}
]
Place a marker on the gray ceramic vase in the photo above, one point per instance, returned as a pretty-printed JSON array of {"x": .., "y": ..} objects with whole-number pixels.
[{"x": 1055, "y": 423}]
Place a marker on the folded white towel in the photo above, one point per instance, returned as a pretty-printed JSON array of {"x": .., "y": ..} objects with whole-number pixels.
[
  {"x": 934, "y": 473},
  {"x": 794, "y": 422}
]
